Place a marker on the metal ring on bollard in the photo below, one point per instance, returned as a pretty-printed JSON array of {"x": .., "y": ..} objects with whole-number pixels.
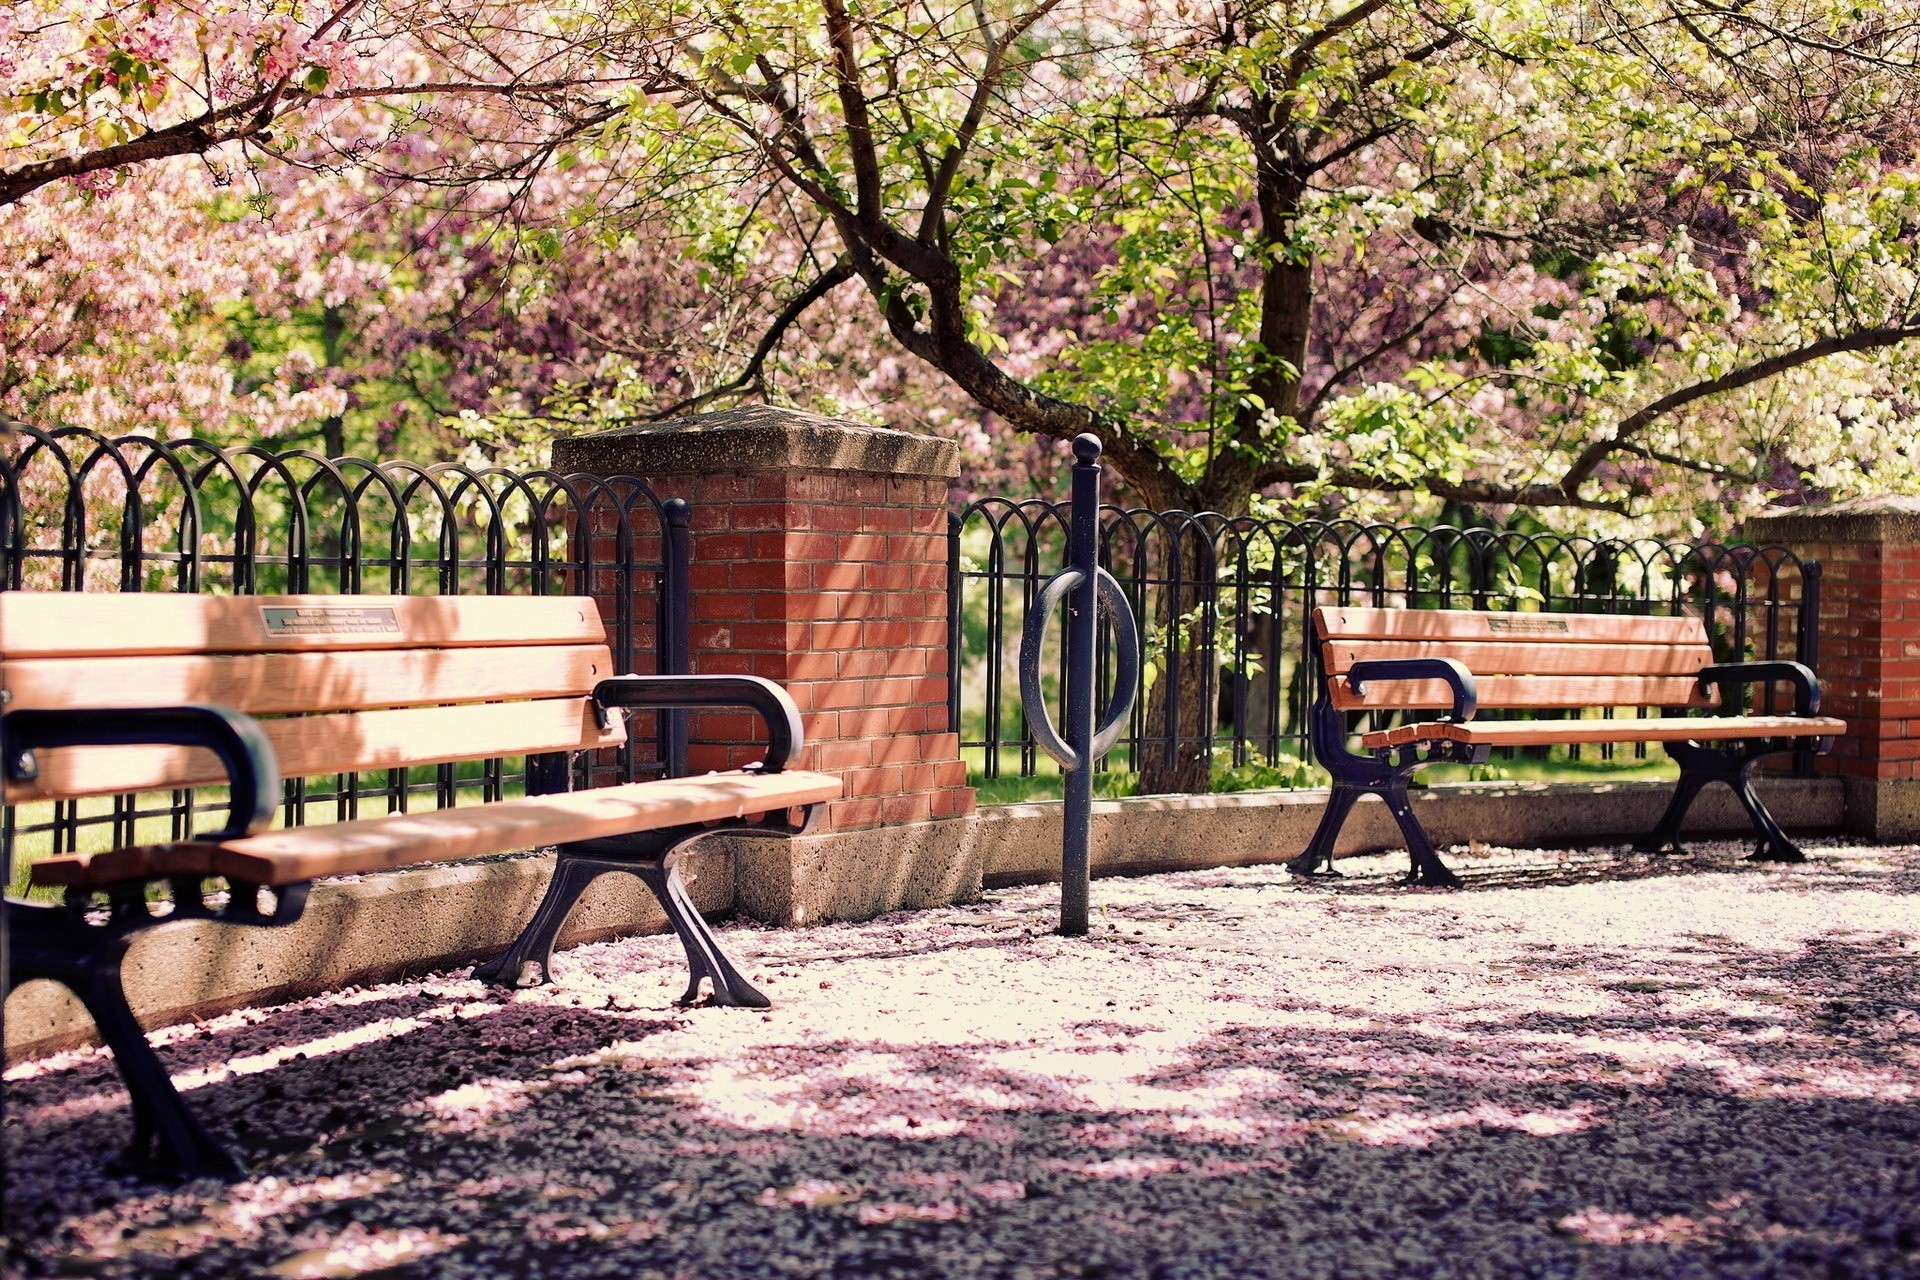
[{"x": 1126, "y": 676}]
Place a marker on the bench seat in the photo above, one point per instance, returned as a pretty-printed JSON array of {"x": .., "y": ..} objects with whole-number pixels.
[
  {"x": 1541, "y": 733},
  {"x": 404, "y": 839}
]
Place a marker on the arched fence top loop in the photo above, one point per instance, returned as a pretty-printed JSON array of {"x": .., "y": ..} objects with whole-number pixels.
[{"x": 259, "y": 515}]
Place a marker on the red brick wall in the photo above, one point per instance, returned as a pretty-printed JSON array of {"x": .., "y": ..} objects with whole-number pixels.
[
  {"x": 833, "y": 584},
  {"x": 1870, "y": 654}
]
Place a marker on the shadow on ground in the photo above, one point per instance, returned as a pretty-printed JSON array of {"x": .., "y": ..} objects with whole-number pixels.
[{"x": 1746, "y": 1112}]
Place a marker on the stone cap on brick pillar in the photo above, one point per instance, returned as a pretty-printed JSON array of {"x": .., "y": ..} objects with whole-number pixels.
[
  {"x": 755, "y": 438},
  {"x": 1869, "y": 632},
  {"x": 1876, "y": 518}
]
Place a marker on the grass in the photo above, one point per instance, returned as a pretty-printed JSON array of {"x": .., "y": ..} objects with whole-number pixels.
[
  {"x": 1289, "y": 772},
  {"x": 1106, "y": 786},
  {"x": 1556, "y": 769}
]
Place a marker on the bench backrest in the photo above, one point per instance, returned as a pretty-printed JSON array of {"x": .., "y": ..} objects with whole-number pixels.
[
  {"x": 1520, "y": 660},
  {"x": 353, "y": 683}
]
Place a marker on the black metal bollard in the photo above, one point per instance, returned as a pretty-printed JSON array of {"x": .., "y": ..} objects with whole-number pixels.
[{"x": 1086, "y": 586}]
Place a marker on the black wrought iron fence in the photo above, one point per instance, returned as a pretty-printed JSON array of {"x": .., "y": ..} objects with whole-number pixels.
[
  {"x": 82, "y": 512},
  {"x": 1224, "y": 609}
]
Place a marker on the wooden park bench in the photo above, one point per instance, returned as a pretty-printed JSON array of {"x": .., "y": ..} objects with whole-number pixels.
[
  {"x": 109, "y": 694},
  {"x": 1440, "y": 667}
]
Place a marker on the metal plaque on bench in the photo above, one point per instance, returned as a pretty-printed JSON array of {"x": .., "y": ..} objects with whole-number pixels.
[
  {"x": 1526, "y": 626},
  {"x": 283, "y": 620}
]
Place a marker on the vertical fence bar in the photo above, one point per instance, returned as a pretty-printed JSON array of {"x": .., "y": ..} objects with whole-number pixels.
[
  {"x": 1808, "y": 646},
  {"x": 676, "y": 656},
  {"x": 955, "y": 635},
  {"x": 992, "y": 590}
]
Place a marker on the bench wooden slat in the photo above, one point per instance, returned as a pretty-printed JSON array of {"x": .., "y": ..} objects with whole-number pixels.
[
  {"x": 284, "y": 683},
  {"x": 397, "y": 840},
  {"x": 337, "y": 743},
  {"x": 1353, "y": 623},
  {"x": 115, "y": 866},
  {"x": 1536, "y": 733},
  {"x": 1539, "y": 692},
  {"x": 1530, "y": 659},
  {"x": 36, "y": 624}
]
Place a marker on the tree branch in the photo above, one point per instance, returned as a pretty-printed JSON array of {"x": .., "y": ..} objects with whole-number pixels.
[
  {"x": 1329, "y": 117},
  {"x": 853, "y": 105},
  {"x": 190, "y": 137},
  {"x": 1474, "y": 491},
  {"x": 1359, "y": 362},
  {"x": 1338, "y": 25},
  {"x": 793, "y": 127},
  {"x": 1597, "y": 452},
  {"x": 252, "y": 117},
  {"x": 751, "y": 375},
  {"x": 1742, "y": 16},
  {"x": 942, "y": 182},
  {"x": 1690, "y": 464}
]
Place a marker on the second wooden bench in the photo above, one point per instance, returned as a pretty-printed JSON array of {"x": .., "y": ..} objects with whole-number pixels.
[{"x": 1441, "y": 667}]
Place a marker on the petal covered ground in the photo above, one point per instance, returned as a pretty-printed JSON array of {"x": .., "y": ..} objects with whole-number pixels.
[{"x": 1581, "y": 1065}]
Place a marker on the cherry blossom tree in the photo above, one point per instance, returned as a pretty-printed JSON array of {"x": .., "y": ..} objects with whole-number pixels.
[
  {"x": 188, "y": 194},
  {"x": 1590, "y": 257},
  {"x": 94, "y": 88},
  {"x": 110, "y": 316},
  {"x": 1596, "y": 257}
]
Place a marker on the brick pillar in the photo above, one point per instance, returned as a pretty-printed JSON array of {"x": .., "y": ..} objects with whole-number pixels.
[
  {"x": 820, "y": 562},
  {"x": 1869, "y": 550}
]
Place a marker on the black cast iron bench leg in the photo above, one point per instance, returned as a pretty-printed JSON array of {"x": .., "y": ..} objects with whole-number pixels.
[
  {"x": 1353, "y": 777},
  {"x": 1426, "y": 867},
  {"x": 60, "y": 944},
  {"x": 652, "y": 857},
  {"x": 1774, "y": 845},
  {"x": 528, "y": 961},
  {"x": 705, "y": 959},
  {"x": 167, "y": 1136},
  {"x": 1318, "y": 858},
  {"x": 1732, "y": 765},
  {"x": 1665, "y": 836}
]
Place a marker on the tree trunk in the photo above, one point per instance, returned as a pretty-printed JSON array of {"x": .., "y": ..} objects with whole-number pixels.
[
  {"x": 1181, "y": 705},
  {"x": 1184, "y": 764}
]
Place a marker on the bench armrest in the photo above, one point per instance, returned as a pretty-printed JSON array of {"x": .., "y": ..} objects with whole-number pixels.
[
  {"x": 253, "y": 773},
  {"x": 1806, "y": 685},
  {"x": 1466, "y": 697},
  {"x": 686, "y": 693}
]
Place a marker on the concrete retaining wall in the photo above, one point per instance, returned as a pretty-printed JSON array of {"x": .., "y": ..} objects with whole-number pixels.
[
  {"x": 371, "y": 928},
  {"x": 1021, "y": 842}
]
